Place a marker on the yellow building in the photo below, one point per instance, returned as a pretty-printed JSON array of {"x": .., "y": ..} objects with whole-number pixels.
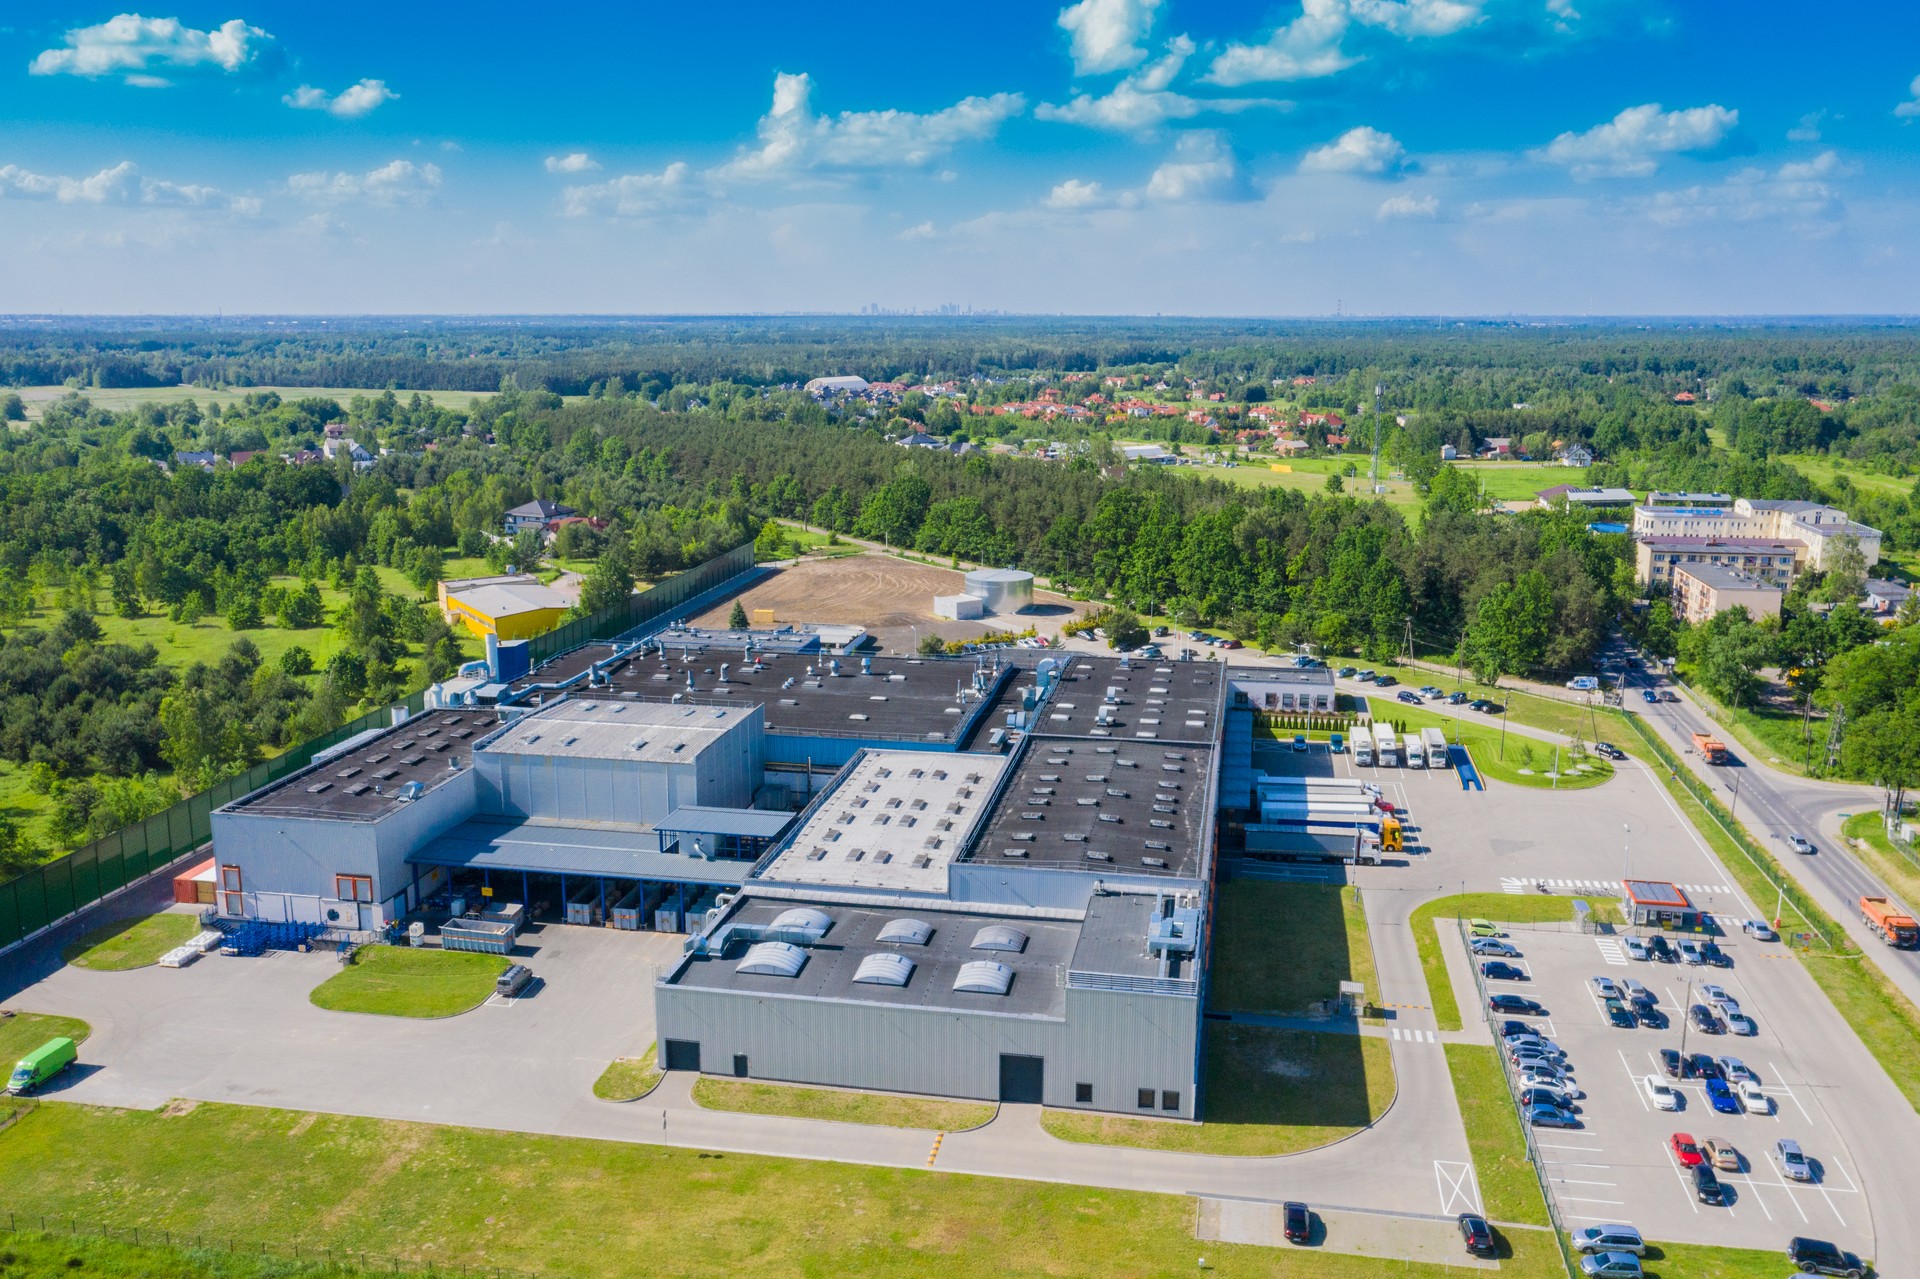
[{"x": 510, "y": 610}]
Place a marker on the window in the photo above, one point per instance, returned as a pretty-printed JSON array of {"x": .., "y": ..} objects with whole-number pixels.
[
  {"x": 353, "y": 888},
  {"x": 1169, "y": 1100},
  {"x": 1083, "y": 1094},
  {"x": 1146, "y": 1099}
]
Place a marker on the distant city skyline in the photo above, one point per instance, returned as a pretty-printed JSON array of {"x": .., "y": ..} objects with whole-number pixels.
[{"x": 1532, "y": 158}]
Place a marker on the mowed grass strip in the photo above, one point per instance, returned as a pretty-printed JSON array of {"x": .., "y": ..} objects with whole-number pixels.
[
  {"x": 1504, "y": 763},
  {"x": 1282, "y": 947},
  {"x": 1508, "y": 1187},
  {"x": 1897, "y": 870},
  {"x": 628, "y": 1078},
  {"x": 400, "y": 981},
  {"x": 1499, "y": 908},
  {"x": 468, "y": 1200},
  {"x": 21, "y": 1033},
  {"x": 131, "y": 943},
  {"x": 841, "y": 1105},
  {"x": 1700, "y": 1261},
  {"x": 1269, "y": 1092}
]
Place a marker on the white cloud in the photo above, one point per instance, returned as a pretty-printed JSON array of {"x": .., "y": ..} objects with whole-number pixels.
[
  {"x": 399, "y": 182},
  {"x": 1142, "y": 101},
  {"x": 1630, "y": 144},
  {"x": 572, "y": 162},
  {"x": 631, "y": 195},
  {"x": 922, "y": 231},
  {"x": 1202, "y": 168},
  {"x": 350, "y": 103},
  {"x": 1309, "y": 46},
  {"x": 793, "y": 139},
  {"x": 1107, "y": 34},
  {"x": 1911, "y": 108},
  {"x": 1407, "y": 206},
  {"x": 135, "y": 48},
  {"x": 1361, "y": 150},
  {"x": 1800, "y": 193},
  {"x": 1808, "y": 130},
  {"x": 1074, "y": 195},
  {"x": 121, "y": 184}
]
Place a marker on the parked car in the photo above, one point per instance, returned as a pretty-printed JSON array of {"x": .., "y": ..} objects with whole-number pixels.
[
  {"x": 1649, "y": 695},
  {"x": 1741, "y": 1024},
  {"x": 1537, "y": 1058},
  {"x": 1500, "y": 970},
  {"x": 1515, "y": 1004},
  {"x": 1484, "y": 928},
  {"x": 1721, "y": 1097},
  {"x": 1456, "y": 698},
  {"x": 1794, "y": 1164},
  {"x": 1365, "y": 677},
  {"x": 1711, "y": 952},
  {"x": 1479, "y": 704},
  {"x": 1759, "y": 930},
  {"x": 1540, "y": 1042},
  {"x": 1735, "y": 1071},
  {"x": 1662, "y": 1094},
  {"x": 1753, "y": 1099},
  {"x": 1716, "y": 995},
  {"x": 1494, "y": 946},
  {"x": 1818, "y": 1257},
  {"x": 1722, "y": 1154},
  {"x": 1551, "y": 1117},
  {"x": 1673, "y": 1063},
  {"x": 1685, "y": 1149},
  {"x": 1232, "y": 643},
  {"x": 1409, "y": 696},
  {"x": 1385, "y": 681},
  {"x": 1637, "y": 948},
  {"x": 1690, "y": 953},
  {"x": 1547, "y": 1077},
  {"x": 1546, "y": 1097},
  {"x": 1607, "y": 750},
  {"x": 1637, "y": 992},
  {"x": 1297, "y": 1221},
  {"x": 1650, "y": 1017},
  {"x": 1619, "y": 1016},
  {"x": 1515, "y": 1029},
  {"x": 1606, "y": 987},
  {"x": 1704, "y": 1020},
  {"x": 1476, "y": 1234},
  {"x": 1801, "y": 844},
  {"x": 1706, "y": 1186},
  {"x": 515, "y": 979},
  {"x": 1662, "y": 950},
  {"x": 1611, "y": 1238},
  {"x": 1703, "y": 1066},
  {"x": 1614, "y": 1265}
]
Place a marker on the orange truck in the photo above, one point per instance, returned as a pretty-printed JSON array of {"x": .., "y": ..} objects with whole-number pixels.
[
  {"x": 1711, "y": 748},
  {"x": 1886, "y": 920}
]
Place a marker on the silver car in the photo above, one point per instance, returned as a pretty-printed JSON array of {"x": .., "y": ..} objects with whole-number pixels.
[{"x": 1611, "y": 1238}]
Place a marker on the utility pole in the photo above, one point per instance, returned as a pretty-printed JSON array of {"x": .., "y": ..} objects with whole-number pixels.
[
  {"x": 1373, "y": 473},
  {"x": 1627, "y": 870},
  {"x": 1409, "y": 625},
  {"x": 1835, "y": 736}
]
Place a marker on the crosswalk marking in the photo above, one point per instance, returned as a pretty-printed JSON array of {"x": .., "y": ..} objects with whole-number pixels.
[
  {"x": 1511, "y": 884},
  {"x": 1415, "y": 1036},
  {"x": 1610, "y": 951}
]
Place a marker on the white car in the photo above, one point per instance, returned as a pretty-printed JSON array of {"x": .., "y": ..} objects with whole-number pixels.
[
  {"x": 1606, "y": 987},
  {"x": 1660, "y": 1094},
  {"x": 1637, "y": 948},
  {"x": 1715, "y": 994},
  {"x": 1752, "y": 1099},
  {"x": 1759, "y": 930},
  {"x": 1638, "y": 993},
  {"x": 1737, "y": 1071}
]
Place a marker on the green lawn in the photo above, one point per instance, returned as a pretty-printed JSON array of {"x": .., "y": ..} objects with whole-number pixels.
[
  {"x": 1502, "y": 908},
  {"x": 399, "y": 981},
  {"x": 1283, "y": 947},
  {"x": 628, "y": 1078},
  {"x": 470, "y": 1199},
  {"x": 120, "y": 399},
  {"x": 1824, "y": 470},
  {"x": 1268, "y": 1092},
  {"x": 1520, "y": 481},
  {"x": 21, "y": 1033},
  {"x": 1500, "y": 762},
  {"x": 1898, "y": 870},
  {"x": 891, "y": 1110},
  {"x": 131, "y": 943},
  {"x": 1698, "y": 1261},
  {"x": 1509, "y": 1190},
  {"x": 1309, "y": 475},
  {"x": 1777, "y": 736}
]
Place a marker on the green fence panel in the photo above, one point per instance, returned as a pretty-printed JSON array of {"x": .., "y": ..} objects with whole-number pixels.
[
  {"x": 112, "y": 864},
  {"x": 86, "y": 873},
  {"x": 58, "y": 880},
  {"x": 9, "y": 915}
]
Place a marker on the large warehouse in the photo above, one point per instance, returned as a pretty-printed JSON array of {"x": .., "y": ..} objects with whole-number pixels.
[{"x": 968, "y": 877}]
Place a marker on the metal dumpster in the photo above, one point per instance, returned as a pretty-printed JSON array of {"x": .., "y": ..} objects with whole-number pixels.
[
  {"x": 626, "y": 911},
  {"x": 489, "y": 936},
  {"x": 584, "y": 903}
]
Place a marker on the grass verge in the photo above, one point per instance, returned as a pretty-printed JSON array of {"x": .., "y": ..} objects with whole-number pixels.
[
  {"x": 1898, "y": 870},
  {"x": 398, "y": 981},
  {"x": 21, "y": 1033},
  {"x": 628, "y": 1078},
  {"x": 1886, "y": 1021},
  {"x": 1283, "y": 947},
  {"x": 131, "y": 943},
  {"x": 470, "y": 1199},
  {"x": 1268, "y": 1092},
  {"x": 1502, "y": 908},
  {"x": 1504, "y": 764},
  {"x": 889, "y": 1110},
  {"x": 1698, "y": 1261},
  {"x": 1508, "y": 1187}
]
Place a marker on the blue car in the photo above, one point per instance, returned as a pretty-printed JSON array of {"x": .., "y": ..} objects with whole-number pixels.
[
  {"x": 1650, "y": 695},
  {"x": 1721, "y": 1097}
]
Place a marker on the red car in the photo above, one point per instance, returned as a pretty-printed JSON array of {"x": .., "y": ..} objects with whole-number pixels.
[{"x": 1686, "y": 1150}]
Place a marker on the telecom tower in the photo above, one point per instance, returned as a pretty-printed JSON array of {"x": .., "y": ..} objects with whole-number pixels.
[{"x": 1373, "y": 473}]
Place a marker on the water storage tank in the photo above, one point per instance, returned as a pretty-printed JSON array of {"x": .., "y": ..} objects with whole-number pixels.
[{"x": 1001, "y": 590}]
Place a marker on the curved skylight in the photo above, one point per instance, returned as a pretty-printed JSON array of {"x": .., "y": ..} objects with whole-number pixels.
[
  {"x": 773, "y": 959},
  {"x": 804, "y": 919},
  {"x": 983, "y": 977},
  {"x": 1000, "y": 937},
  {"x": 907, "y": 932},
  {"x": 884, "y": 968}
]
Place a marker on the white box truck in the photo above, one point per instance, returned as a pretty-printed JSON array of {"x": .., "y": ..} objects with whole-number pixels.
[
  {"x": 1438, "y": 756},
  {"x": 1363, "y": 747},
  {"x": 1386, "y": 746},
  {"x": 1416, "y": 751}
]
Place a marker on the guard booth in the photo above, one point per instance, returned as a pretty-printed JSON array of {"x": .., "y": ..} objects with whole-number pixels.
[
  {"x": 1657, "y": 904},
  {"x": 1353, "y": 999}
]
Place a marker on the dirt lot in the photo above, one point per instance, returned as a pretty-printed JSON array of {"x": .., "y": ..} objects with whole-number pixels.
[{"x": 889, "y": 596}]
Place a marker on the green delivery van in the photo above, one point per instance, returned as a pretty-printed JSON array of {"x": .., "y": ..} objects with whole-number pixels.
[{"x": 42, "y": 1064}]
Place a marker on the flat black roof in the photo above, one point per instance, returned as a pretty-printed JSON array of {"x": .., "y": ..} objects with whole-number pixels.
[
  {"x": 367, "y": 782},
  {"x": 832, "y": 961},
  {"x": 1112, "y": 806},
  {"x": 1145, "y": 701}
]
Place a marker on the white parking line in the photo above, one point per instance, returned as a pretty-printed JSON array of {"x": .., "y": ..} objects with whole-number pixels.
[
  {"x": 1610, "y": 951},
  {"x": 1778, "y": 1087},
  {"x": 1556, "y": 1145},
  {"x": 1457, "y": 1185},
  {"x": 1583, "y": 1199}
]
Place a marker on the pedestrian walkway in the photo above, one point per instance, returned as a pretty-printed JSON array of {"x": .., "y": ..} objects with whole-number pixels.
[
  {"x": 1416, "y": 1036},
  {"x": 1603, "y": 887}
]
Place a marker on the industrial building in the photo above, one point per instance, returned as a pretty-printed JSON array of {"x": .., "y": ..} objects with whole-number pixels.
[
  {"x": 510, "y": 608},
  {"x": 1772, "y": 539}
]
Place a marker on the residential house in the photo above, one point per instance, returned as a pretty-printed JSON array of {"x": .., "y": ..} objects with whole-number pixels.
[
  {"x": 203, "y": 460},
  {"x": 1886, "y": 599},
  {"x": 1498, "y": 446},
  {"x": 535, "y": 515},
  {"x": 1702, "y": 590}
]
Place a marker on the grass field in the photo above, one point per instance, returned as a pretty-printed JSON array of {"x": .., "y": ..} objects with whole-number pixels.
[
  {"x": 1282, "y": 947},
  {"x": 1501, "y": 908},
  {"x": 891, "y": 1110},
  {"x": 1508, "y": 1188},
  {"x": 1898, "y": 870},
  {"x": 1824, "y": 470},
  {"x": 131, "y": 943},
  {"x": 628, "y": 1078},
  {"x": 21, "y": 1033},
  {"x": 397, "y": 981},
  {"x": 1309, "y": 475},
  {"x": 1504, "y": 763},
  {"x": 1269, "y": 1092},
  {"x": 557, "y": 1206},
  {"x": 1776, "y": 736},
  {"x": 1520, "y": 481},
  {"x": 122, "y": 398}
]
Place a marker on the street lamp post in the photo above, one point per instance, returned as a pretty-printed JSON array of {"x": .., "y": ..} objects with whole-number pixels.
[
  {"x": 1733, "y": 810},
  {"x": 1627, "y": 868}
]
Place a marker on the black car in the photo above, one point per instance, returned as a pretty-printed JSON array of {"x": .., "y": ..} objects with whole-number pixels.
[
  {"x": 1494, "y": 970},
  {"x": 1510, "y": 1029},
  {"x": 1476, "y": 1234},
  {"x": 1661, "y": 950},
  {"x": 1674, "y": 1064},
  {"x": 1455, "y": 699},
  {"x": 1711, "y": 952},
  {"x": 1545, "y": 1097},
  {"x": 1704, "y": 1020},
  {"x": 1515, "y": 1004},
  {"x": 1607, "y": 750},
  {"x": 1706, "y": 1186},
  {"x": 1620, "y": 1015},
  {"x": 1703, "y": 1066},
  {"x": 1385, "y": 681},
  {"x": 1650, "y": 1017},
  {"x": 1298, "y": 1221},
  {"x": 1478, "y": 704},
  {"x": 1818, "y": 1257}
]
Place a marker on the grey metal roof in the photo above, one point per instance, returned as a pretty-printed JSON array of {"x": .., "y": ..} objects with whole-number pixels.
[
  {"x": 585, "y": 726},
  {"x": 1146, "y": 701},
  {"x": 1113, "y": 938},
  {"x": 706, "y": 820},
  {"x": 544, "y": 848},
  {"x": 370, "y": 781}
]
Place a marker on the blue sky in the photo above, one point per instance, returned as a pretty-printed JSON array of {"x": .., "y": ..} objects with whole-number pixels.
[{"x": 1110, "y": 156}]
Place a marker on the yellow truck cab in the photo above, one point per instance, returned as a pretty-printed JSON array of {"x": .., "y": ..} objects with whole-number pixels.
[{"x": 42, "y": 1064}]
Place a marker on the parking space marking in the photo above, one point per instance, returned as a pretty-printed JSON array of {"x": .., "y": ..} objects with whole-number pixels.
[
  {"x": 1457, "y": 1184},
  {"x": 501, "y": 1001},
  {"x": 1557, "y": 1145},
  {"x": 1686, "y": 1182},
  {"x": 1610, "y": 951},
  {"x": 1583, "y": 1199},
  {"x": 1773, "y": 1073}
]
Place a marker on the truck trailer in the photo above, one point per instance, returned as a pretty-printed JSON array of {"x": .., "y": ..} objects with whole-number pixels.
[
  {"x": 1356, "y": 847},
  {"x": 1386, "y": 746},
  {"x": 1888, "y": 922},
  {"x": 1438, "y": 756}
]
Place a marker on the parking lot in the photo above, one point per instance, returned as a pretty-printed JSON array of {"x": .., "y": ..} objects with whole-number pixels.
[{"x": 1618, "y": 1166}]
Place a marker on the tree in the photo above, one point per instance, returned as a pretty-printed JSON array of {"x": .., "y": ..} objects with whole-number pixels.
[
  {"x": 894, "y": 511},
  {"x": 303, "y": 608},
  {"x": 931, "y": 645},
  {"x": 297, "y": 661},
  {"x": 1125, "y": 629},
  {"x": 771, "y": 541},
  {"x": 18, "y": 854},
  {"x": 12, "y": 407},
  {"x": 1847, "y": 571},
  {"x": 1726, "y": 653},
  {"x": 244, "y": 613},
  {"x": 1335, "y": 484},
  {"x": 737, "y": 618},
  {"x": 609, "y": 581},
  {"x": 125, "y": 583}
]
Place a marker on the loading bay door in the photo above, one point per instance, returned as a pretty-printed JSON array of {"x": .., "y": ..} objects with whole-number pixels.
[
  {"x": 683, "y": 1054},
  {"x": 1022, "y": 1079}
]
